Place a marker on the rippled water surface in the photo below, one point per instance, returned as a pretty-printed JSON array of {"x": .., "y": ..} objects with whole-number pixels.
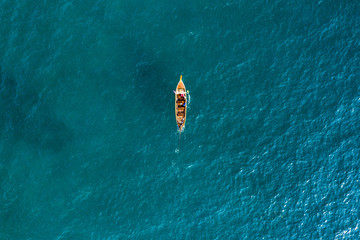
[{"x": 88, "y": 132}]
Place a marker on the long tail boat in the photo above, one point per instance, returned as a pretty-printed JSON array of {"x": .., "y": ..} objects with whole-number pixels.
[{"x": 180, "y": 105}]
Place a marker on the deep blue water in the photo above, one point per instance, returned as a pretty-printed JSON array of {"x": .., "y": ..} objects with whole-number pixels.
[{"x": 88, "y": 132}]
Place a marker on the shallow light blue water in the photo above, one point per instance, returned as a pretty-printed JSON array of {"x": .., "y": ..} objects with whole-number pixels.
[{"x": 88, "y": 132}]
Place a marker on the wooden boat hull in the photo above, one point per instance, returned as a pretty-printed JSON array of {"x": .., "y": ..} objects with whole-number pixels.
[{"x": 180, "y": 105}]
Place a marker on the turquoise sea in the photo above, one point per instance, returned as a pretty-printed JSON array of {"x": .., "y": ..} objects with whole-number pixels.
[{"x": 88, "y": 133}]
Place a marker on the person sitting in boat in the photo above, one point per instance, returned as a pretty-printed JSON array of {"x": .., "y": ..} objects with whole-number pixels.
[{"x": 179, "y": 93}]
